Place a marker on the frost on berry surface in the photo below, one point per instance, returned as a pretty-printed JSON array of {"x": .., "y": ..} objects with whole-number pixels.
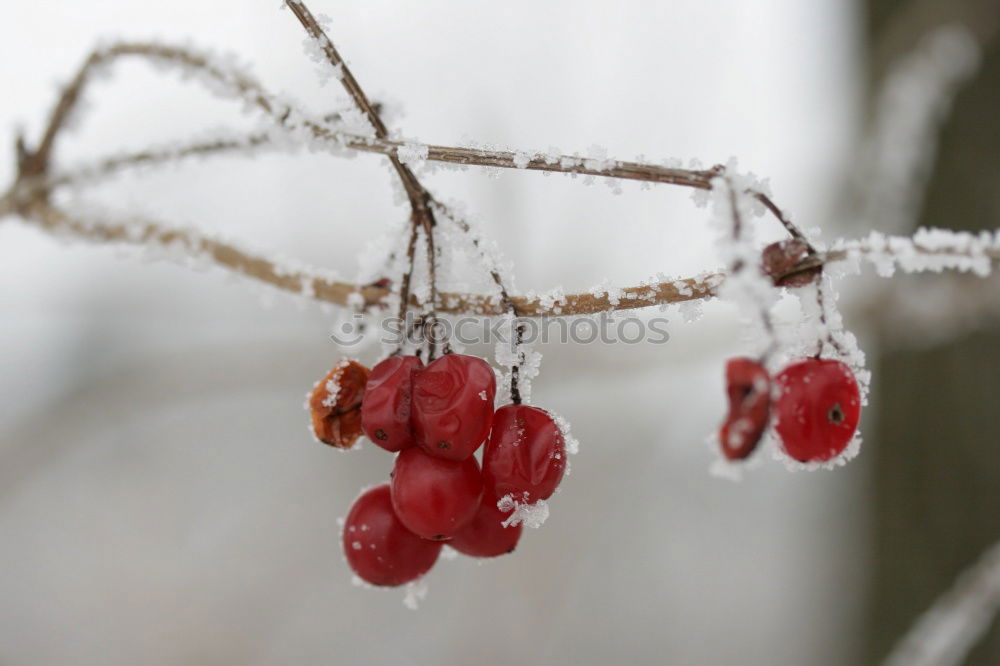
[
  {"x": 531, "y": 515},
  {"x": 571, "y": 444},
  {"x": 816, "y": 409}
]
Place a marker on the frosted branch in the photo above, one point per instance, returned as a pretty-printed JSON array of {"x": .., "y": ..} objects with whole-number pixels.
[
  {"x": 28, "y": 196},
  {"x": 961, "y": 251}
]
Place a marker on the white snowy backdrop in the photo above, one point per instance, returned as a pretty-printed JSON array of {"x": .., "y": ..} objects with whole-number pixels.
[{"x": 160, "y": 499}]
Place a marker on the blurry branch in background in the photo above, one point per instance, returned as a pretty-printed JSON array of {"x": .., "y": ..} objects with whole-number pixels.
[
  {"x": 910, "y": 107},
  {"x": 923, "y": 60},
  {"x": 946, "y": 633},
  {"x": 914, "y": 20}
]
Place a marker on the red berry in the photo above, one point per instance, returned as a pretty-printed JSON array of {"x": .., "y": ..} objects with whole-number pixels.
[
  {"x": 526, "y": 454},
  {"x": 749, "y": 389},
  {"x": 817, "y": 409},
  {"x": 385, "y": 412},
  {"x": 453, "y": 405},
  {"x": 433, "y": 497},
  {"x": 335, "y": 404},
  {"x": 486, "y": 536},
  {"x": 378, "y": 547}
]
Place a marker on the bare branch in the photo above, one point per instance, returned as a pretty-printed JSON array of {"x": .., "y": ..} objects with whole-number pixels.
[{"x": 313, "y": 284}]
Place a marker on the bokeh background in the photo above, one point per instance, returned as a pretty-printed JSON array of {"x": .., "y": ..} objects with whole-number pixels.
[{"x": 161, "y": 501}]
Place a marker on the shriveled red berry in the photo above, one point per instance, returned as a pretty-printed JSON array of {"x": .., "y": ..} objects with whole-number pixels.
[
  {"x": 433, "y": 497},
  {"x": 817, "y": 409},
  {"x": 380, "y": 550},
  {"x": 526, "y": 454},
  {"x": 781, "y": 257},
  {"x": 486, "y": 536},
  {"x": 385, "y": 412},
  {"x": 453, "y": 405},
  {"x": 335, "y": 404},
  {"x": 749, "y": 389}
]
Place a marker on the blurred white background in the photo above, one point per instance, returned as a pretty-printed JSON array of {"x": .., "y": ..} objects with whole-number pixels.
[{"x": 160, "y": 499}]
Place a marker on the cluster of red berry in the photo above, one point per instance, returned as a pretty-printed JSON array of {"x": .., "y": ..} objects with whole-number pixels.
[
  {"x": 815, "y": 405},
  {"x": 435, "y": 417}
]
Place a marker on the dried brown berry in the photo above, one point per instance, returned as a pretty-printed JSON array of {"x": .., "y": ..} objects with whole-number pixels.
[
  {"x": 779, "y": 259},
  {"x": 335, "y": 404}
]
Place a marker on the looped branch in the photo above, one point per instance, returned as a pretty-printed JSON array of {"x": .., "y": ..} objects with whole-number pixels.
[{"x": 28, "y": 196}]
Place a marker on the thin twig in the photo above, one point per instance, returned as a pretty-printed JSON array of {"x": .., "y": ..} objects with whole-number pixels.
[
  {"x": 427, "y": 224},
  {"x": 417, "y": 194},
  {"x": 313, "y": 284},
  {"x": 739, "y": 265},
  {"x": 141, "y": 232},
  {"x": 505, "y": 299},
  {"x": 414, "y": 190},
  {"x": 404, "y": 284}
]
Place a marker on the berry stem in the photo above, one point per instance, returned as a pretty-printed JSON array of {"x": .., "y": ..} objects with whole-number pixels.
[
  {"x": 821, "y": 304},
  {"x": 428, "y": 223},
  {"x": 738, "y": 266},
  {"x": 404, "y": 284},
  {"x": 792, "y": 229},
  {"x": 419, "y": 197},
  {"x": 505, "y": 299}
]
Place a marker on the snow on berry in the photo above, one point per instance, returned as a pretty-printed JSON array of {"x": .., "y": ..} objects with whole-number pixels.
[
  {"x": 817, "y": 408},
  {"x": 523, "y": 512},
  {"x": 335, "y": 404},
  {"x": 487, "y": 535},
  {"x": 526, "y": 454}
]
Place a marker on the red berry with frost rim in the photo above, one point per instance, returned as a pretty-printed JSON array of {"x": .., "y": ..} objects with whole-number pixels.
[
  {"x": 435, "y": 498},
  {"x": 748, "y": 387},
  {"x": 526, "y": 454},
  {"x": 385, "y": 412},
  {"x": 453, "y": 405},
  {"x": 486, "y": 536},
  {"x": 380, "y": 550},
  {"x": 817, "y": 409}
]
